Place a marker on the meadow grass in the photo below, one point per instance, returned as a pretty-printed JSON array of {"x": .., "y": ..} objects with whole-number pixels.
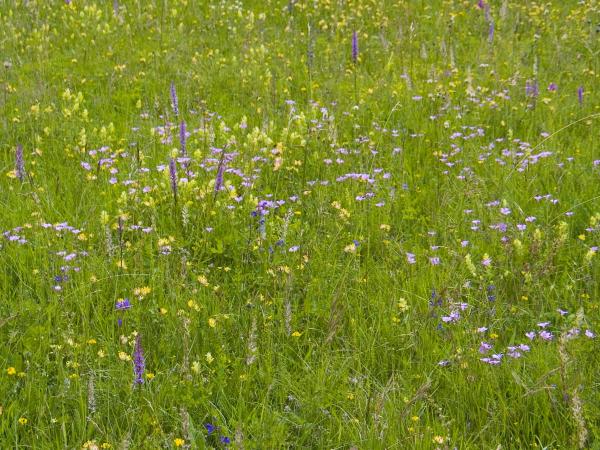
[{"x": 262, "y": 224}]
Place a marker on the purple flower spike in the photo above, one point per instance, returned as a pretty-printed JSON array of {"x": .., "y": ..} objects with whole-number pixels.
[
  {"x": 174, "y": 101},
  {"x": 531, "y": 88},
  {"x": 182, "y": 138},
  {"x": 355, "y": 47},
  {"x": 219, "y": 177},
  {"x": 173, "y": 176},
  {"x": 19, "y": 163},
  {"x": 580, "y": 94},
  {"x": 139, "y": 362}
]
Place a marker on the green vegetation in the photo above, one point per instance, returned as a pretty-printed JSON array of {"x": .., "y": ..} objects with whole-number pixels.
[{"x": 325, "y": 224}]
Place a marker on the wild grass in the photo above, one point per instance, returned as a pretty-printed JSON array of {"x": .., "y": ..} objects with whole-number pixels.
[{"x": 336, "y": 224}]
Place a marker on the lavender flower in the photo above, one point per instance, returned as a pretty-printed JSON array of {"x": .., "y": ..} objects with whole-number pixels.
[
  {"x": 491, "y": 32},
  {"x": 580, "y": 94},
  {"x": 546, "y": 335},
  {"x": 19, "y": 163},
  {"x": 182, "y": 138},
  {"x": 139, "y": 362},
  {"x": 484, "y": 347},
  {"x": 173, "y": 175},
  {"x": 354, "y": 47},
  {"x": 122, "y": 305},
  {"x": 174, "y": 101},
  {"x": 219, "y": 177},
  {"x": 531, "y": 88}
]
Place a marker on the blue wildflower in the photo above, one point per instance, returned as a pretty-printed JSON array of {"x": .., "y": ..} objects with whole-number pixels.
[{"x": 122, "y": 305}]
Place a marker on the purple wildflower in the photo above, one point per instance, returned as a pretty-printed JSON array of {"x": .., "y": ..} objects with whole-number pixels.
[
  {"x": 355, "y": 47},
  {"x": 531, "y": 88},
  {"x": 139, "y": 362},
  {"x": 546, "y": 335},
  {"x": 494, "y": 360},
  {"x": 174, "y": 101},
  {"x": 491, "y": 32},
  {"x": 552, "y": 87},
  {"x": 480, "y": 4},
  {"x": 123, "y": 305},
  {"x": 580, "y": 94},
  {"x": 19, "y": 163},
  {"x": 513, "y": 352},
  {"x": 182, "y": 138},
  {"x": 210, "y": 428},
  {"x": 453, "y": 317},
  {"x": 173, "y": 176},
  {"x": 484, "y": 347},
  {"x": 590, "y": 334},
  {"x": 225, "y": 440},
  {"x": 410, "y": 258},
  {"x": 219, "y": 177}
]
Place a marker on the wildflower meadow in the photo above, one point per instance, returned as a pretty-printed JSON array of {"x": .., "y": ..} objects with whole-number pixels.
[{"x": 303, "y": 224}]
